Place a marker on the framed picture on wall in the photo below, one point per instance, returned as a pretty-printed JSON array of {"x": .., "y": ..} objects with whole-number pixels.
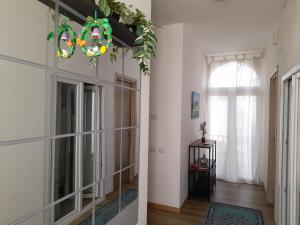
[{"x": 195, "y": 105}]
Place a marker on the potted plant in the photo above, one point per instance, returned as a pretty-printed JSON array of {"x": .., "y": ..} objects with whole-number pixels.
[
  {"x": 138, "y": 24},
  {"x": 204, "y": 131}
]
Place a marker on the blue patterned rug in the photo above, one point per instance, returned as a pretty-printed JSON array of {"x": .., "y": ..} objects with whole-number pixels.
[
  {"x": 104, "y": 215},
  {"x": 223, "y": 214}
]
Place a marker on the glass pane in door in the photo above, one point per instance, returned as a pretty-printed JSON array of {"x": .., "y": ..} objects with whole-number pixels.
[
  {"x": 64, "y": 175},
  {"x": 88, "y": 107},
  {"x": 88, "y": 155},
  {"x": 88, "y": 152},
  {"x": 66, "y": 108}
]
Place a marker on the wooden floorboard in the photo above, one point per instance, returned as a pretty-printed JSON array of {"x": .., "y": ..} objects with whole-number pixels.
[{"x": 194, "y": 212}]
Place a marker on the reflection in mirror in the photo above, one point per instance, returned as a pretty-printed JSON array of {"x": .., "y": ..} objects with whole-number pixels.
[
  {"x": 109, "y": 70},
  {"x": 108, "y": 203},
  {"x": 88, "y": 155},
  {"x": 64, "y": 177},
  {"x": 64, "y": 208},
  {"x": 100, "y": 109},
  {"x": 111, "y": 101},
  {"x": 42, "y": 218},
  {"x": 25, "y": 180},
  {"x": 130, "y": 146},
  {"x": 129, "y": 181},
  {"x": 86, "y": 200},
  {"x": 66, "y": 108},
  {"x": 24, "y": 98},
  {"x": 111, "y": 153},
  {"x": 26, "y": 43},
  {"x": 89, "y": 107},
  {"x": 132, "y": 69},
  {"x": 79, "y": 63},
  {"x": 130, "y": 111}
]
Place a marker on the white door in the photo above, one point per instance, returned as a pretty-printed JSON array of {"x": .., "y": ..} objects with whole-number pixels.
[
  {"x": 290, "y": 150},
  {"x": 297, "y": 107}
]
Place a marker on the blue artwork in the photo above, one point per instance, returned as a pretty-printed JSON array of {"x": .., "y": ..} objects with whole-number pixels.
[{"x": 195, "y": 105}]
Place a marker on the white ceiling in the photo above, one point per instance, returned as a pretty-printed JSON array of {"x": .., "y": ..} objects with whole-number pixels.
[{"x": 223, "y": 25}]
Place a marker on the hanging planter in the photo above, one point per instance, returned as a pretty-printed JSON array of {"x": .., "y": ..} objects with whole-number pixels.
[
  {"x": 137, "y": 23},
  {"x": 67, "y": 35},
  {"x": 98, "y": 32}
]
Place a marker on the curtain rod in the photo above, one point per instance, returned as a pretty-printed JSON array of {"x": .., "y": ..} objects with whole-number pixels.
[{"x": 235, "y": 53}]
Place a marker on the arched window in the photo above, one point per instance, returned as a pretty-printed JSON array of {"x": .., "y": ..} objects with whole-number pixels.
[
  {"x": 233, "y": 74},
  {"x": 234, "y": 99}
]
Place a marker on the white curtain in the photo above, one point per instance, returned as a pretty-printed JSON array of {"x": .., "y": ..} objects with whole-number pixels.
[{"x": 234, "y": 110}]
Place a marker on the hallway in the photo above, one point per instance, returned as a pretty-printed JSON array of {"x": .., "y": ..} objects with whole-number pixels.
[{"x": 193, "y": 212}]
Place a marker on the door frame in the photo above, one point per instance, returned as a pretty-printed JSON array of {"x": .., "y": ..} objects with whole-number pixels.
[
  {"x": 77, "y": 202},
  {"x": 273, "y": 84},
  {"x": 289, "y": 199}
]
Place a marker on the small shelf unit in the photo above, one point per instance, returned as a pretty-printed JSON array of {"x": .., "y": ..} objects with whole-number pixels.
[{"x": 202, "y": 178}]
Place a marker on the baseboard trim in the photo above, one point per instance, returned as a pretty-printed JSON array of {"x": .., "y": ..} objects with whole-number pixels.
[{"x": 164, "y": 207}]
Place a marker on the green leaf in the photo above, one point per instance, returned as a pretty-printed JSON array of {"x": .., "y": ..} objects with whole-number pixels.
[
  {"x": 50, "y": 36},
  {"x": 107, "y": 11}
]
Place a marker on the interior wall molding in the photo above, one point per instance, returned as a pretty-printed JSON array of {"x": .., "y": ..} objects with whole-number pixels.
[
  {"x": 291, "y": 72},
  {"x": 164, "y": 207}
]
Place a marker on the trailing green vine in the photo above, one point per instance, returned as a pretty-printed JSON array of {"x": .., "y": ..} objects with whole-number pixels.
[{"x": 144, "y": 29}]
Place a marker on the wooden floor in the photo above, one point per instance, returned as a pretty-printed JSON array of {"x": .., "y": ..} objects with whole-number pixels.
[{"x": 193, "y": 212}]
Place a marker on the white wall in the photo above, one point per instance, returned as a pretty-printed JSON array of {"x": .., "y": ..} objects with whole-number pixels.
[
  {"x": 144, "y": 6},
  {"x": 176, "y": 72},
  {"x": 165, "y": 130},
  {"x": 191, "y": 81},
  {"x": 286, "y": 54}
]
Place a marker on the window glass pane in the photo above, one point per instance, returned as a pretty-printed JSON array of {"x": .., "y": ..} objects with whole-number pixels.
[
  {"x": 25, "y": 99},
  {"x": 64, "y": 208},
  {"x": 111, "y": 153},
  {"x": 27, "y": 29},
  {"x": 245, "y": 116},
  {"x": 79, "y": 63},
  {"x": 112, "y": 98},
  {"x": 25, "y": 179},
  {"x": 233, "y": 75},
  {"x": 129, "y": 180},
  {"x": 66, "y": 108},
  {"x": 218, "y": 108},
  {"x": 89, "y": 107},
  {"x": 64, "y": 177},
  {"x": 129, "y": 147}
]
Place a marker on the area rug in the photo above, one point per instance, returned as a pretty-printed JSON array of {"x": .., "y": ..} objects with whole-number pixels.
[
  {"x": 223, "y": 214},
  {"x": 104, "y": 215}
]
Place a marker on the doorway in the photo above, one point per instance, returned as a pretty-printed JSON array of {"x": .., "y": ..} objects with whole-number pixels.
[
  {"x": 126, "y": 98},
  {"x": 272, "y": 137}
]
